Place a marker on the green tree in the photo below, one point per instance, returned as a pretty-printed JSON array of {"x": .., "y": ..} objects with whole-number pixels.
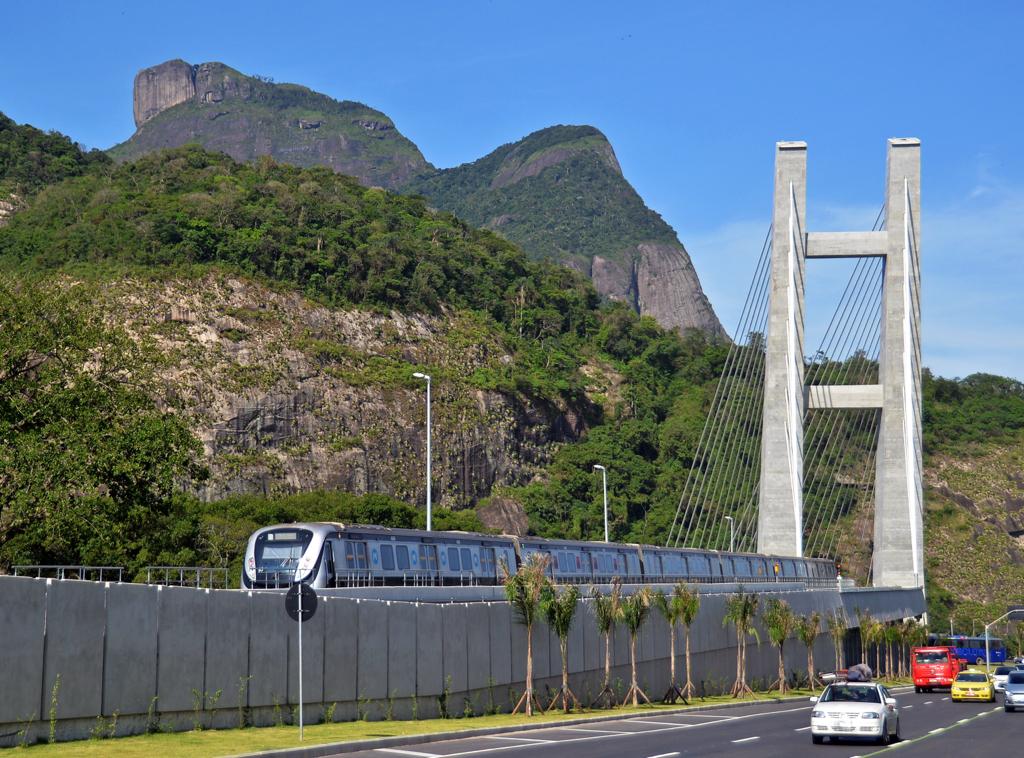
[
  {"x": 674, "y": 608},
  {"x": 88, "y": 462},
  {"x": 740, "y": 611},
  {"x": 525, "y": 591},
  {"x": 606, "y": 614},
  {"x": 691, "y": 607},
  {"x": 633, "y": 612},
  {"x": 780, "y": 623},
  {"x": 807, "y": 630},
  {"x": 837, "y": 628},
  {"x": 559, "y": 611}
]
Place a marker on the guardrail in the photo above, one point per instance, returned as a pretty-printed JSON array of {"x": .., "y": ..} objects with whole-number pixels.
[
  {"x": 82, "y": 573},
  {"x": 188, "y": 576}
]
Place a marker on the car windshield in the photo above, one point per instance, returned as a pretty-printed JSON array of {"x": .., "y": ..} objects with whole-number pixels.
[
  {"x": 842, "y": 693},
  {"x": 971, "y": 678},
  {"x": 1016, "y": 677},
  {"x": 932, "y": 656},
  {"x": 1003, "y": 670}
]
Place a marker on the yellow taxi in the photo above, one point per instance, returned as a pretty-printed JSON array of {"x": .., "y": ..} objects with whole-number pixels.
[{"x": 972, "y": 685}]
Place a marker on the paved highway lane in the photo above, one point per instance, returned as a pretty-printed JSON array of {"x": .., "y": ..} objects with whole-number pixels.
[{"x": 757, "y": 731}]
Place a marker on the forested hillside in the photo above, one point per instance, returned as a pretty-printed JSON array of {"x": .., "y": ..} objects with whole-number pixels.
[{"x": 192, "y": 345}]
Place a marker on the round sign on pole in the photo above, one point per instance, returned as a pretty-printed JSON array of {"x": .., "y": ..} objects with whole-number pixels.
[{"x": 291, "y": 602}]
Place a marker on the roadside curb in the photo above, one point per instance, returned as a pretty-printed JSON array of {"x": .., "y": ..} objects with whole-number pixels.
[{"x": 332, "y": 748}]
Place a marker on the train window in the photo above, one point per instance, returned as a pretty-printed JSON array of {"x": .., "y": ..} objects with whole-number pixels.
[
  {"x": 801, "y": 568},
  {"x": 428, "y": 557},
  {"x": 579, "y": 563},
  {"x": 787, "y": 568},
  {"x": 387, "y": 557},
  {"x": 741, "y": 566},
  {"x": 402, "y": 555},
  {"x": 329, "y": 560},
  {"x": 355, "y": 554},
  {"x": 487, "y": 561},
  {"x": 453, "y": 559},
  {"x": 467, "y": 559}
]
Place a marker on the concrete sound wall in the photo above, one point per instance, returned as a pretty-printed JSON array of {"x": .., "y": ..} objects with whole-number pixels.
[{"x": 164, "y": 657}]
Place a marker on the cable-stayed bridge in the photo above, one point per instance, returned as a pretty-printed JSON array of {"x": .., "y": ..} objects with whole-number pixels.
[{"x": 820, "y": 454}]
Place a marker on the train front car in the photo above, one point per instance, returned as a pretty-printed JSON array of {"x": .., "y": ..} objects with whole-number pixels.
[{"x": 279, "y": 555}]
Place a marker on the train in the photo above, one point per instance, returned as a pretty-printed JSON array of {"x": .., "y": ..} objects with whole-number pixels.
[{"x": 326, "y": 554}]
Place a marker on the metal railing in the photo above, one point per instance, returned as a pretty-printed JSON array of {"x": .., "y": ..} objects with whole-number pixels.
[
  {"x": 188, "y": 576},
  {"x": 81, "y": 573}
]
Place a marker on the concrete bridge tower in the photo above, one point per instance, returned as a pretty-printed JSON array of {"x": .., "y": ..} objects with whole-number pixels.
[{"x": 899, "y": 556}]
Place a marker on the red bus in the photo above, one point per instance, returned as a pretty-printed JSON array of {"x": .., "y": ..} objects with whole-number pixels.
[{"x": 933, "y": 666}]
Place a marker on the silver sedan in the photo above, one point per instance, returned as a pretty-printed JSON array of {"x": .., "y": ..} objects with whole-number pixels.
[{"x": 855, "y": 710}]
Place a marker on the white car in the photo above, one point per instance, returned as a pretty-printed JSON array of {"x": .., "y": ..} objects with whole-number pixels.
[
  {"x": 855, "y": 709},
  {"x": 999, "y": 677}
]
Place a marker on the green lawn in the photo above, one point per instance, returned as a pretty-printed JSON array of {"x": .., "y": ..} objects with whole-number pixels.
[{"x": 236, "y": 741}]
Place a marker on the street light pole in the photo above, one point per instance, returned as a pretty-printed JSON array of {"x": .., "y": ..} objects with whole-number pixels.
[
  {"x": 988, "y": 656},
  {"x": 732, "y": 533},
  {"x": 604, "y": 489},
  {"x": 420, "y": 375}
]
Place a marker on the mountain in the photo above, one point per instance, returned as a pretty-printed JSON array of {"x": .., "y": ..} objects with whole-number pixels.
[
  {"x": 215, "y": 106},
  {"x": 560, "y": 195}
]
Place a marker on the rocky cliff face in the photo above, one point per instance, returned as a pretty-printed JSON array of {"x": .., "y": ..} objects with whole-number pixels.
[
  {"x": 246, "y": 117},
  {"x": 560, "y": 194},
  {"x": 289, "y": 396}
]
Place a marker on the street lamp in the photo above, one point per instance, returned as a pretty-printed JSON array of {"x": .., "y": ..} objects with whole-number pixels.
[
  {"x": 732, "y": 533},
  {"x": 604, "y": 489},
  {"x": 988, "y": 655},
  {"x": 421, "y": 375}
]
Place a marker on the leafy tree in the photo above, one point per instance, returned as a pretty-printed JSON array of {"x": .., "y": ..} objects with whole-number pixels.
[
  {"x": 676, "y": 608},
  {"x": 837, "y": 628},
  {"x": 740, "y": 611},
  {"x": 633, "y": 612},
  {"x": 30, "y": 158},
  {"x": 525, "y": 591},
  {"x": 893, "y": 654},
  {"x": 807, "y": 630},
  {"x": 780, "y": 623},
  {"x": 606, "y": 614},
  {"x": 559, "y": 611},
  {"x": 88, "y": 462}
]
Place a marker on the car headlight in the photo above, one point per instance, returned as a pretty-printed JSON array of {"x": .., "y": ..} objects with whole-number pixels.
[
  {"x": 869, "y": 715},
  {"x": 817, "y": 714}
]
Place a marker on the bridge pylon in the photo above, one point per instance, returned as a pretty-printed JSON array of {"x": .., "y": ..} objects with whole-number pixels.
[{"x": 898, "y": 558}]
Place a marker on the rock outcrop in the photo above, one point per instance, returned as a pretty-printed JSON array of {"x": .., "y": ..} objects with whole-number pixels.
[{"x": 247, "y": 117}]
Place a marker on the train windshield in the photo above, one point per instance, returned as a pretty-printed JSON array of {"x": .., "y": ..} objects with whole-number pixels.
[{"x": 281, "y": 549}]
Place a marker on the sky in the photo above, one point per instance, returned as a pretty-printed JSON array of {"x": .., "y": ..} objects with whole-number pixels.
[{"x": 692, "y": 96}]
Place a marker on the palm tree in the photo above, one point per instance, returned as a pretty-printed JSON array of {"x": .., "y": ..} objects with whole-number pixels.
[
  {"x": 691, "y": 607},
  {"x": 525, "y": 590},
  {"x": 740, "y": 611},
  {"x": 807, "y": 630},
  {"x": 892, "y": 650},
  {"x": 559, "y": 609},
  {"x": 780, "y": 623},
  {"x": 673, "y": 607},
  {"x": 606, "y": 613},
  {"x": 837, "y": 627},
  {"x": 908, "y": 630},
  {"x": 633, "y": 613}
]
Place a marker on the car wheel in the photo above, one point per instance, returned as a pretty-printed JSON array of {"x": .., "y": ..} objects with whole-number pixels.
[
  {"x": 884, "y": 739},
  {"x": 898, "y": 736},
  {"x": 1008, "y": 708},
  {"x": 918, "y": 690},
  {"x": 817, "y": 739}
]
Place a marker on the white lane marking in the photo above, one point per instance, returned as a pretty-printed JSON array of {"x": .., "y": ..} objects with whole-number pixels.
[
  {"x": 598, "y": 731},
  {"x": 963, "y": 721},
  {"x": 802, "y": 729},
  {"x": 936, "y": 731},
  {"x": 907, "y": 706},
  {"x": 396, "y": 751},
  {"x": 521, "y": 739},
  {"x": 945, "y": 698},
  {"x": 613, "y": 735},
  {"x": 663, "y": 755},
  {"x": 928, "y": 702},
  {"x": 745, "y": 739},
  {"x": 659, "y": 723}
]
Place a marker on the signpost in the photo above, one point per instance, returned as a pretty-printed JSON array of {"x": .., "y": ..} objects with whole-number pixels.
[{"x": 300, "y": 604}]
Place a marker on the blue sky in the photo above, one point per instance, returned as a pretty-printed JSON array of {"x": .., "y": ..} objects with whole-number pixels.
[{"x": 693, "y": 97}]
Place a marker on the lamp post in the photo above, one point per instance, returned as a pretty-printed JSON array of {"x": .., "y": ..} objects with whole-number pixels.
[
  {"x": 604, "y": 489},
  {"x": 732, "y": 533},
  {"x": 420, "y": 375},
  {"x": 988, "y": 655}
]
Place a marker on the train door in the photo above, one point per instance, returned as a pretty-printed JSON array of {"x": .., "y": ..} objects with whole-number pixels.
[
  {"x": 428, "y": 561},
  {"x": 488, "y": 569},
  {"x": 330, "y": 578}
]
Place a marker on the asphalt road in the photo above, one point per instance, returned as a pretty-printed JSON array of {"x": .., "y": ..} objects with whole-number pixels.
[{"x": 931, "y": 725}]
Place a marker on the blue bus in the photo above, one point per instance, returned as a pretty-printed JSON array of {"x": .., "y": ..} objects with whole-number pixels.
[{"x": 972, "y": 649}]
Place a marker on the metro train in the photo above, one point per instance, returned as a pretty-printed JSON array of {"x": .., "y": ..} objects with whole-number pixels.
[{"x": 347, "y": 555}]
